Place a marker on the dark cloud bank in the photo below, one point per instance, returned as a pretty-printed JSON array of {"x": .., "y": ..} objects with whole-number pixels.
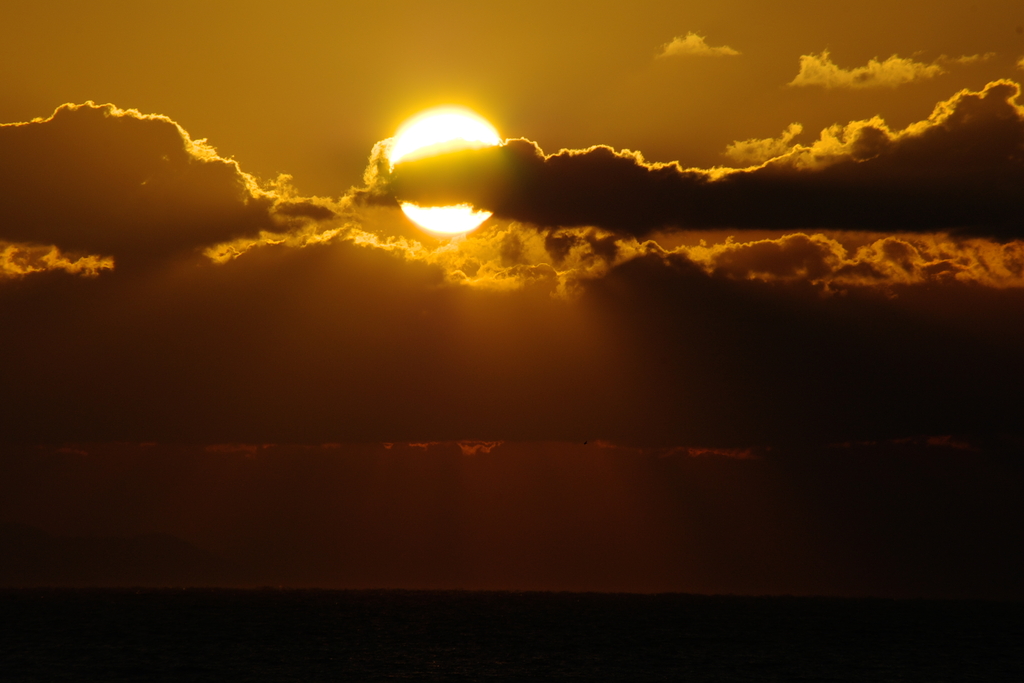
[
  {"x": 879, "y": 425},
  {"x": 339, "y": 342}
]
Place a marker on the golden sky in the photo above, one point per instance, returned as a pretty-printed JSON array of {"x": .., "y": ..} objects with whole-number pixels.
[
  {"x": 734, "y": 232},
  {"x": 307, "y": 91}
]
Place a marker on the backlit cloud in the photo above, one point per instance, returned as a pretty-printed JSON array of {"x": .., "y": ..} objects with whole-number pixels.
[
  {"x": 883, "y": 261},
  {"x": 607, "y": 204},
  {"x": 959, "y": 170},
  {"x": 694, "y": 45},
  {"x": 128, "y": 187},
  {"x": 580, "y": 313},
  {"x": 17, "y": 260},
  {"x": 562, "y": 261},
  {"x": 820, "y": 70}
]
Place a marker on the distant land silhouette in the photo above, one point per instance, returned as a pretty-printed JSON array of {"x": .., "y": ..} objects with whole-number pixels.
[{"x": 32, "y": 557}]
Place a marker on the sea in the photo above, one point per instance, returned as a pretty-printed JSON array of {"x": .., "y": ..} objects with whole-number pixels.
[{"x": 391, "y": 635}]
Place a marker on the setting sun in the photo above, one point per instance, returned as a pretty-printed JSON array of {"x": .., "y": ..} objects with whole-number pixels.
[{"x": 438, "y": 131}]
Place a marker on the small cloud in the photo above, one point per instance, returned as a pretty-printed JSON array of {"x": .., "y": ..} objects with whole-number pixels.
[
  {"x": 694, "y": 45},
  {"x": 759, "y": 150},
  {"x": 1020, "y": 63},
  {"x": 820, "y": 70},
  {"x": 474, "y": 447}
]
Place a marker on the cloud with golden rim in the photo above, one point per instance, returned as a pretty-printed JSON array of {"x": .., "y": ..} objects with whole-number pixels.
[
  {"x": 694, "y": 45},
  {"x": 883, "y": 261},
  {"x": 319, "y": 326},
  {"x": 959, "y": 170},
  {"x": 570, "y": 217},
  {"x": 120, "y": 188}
]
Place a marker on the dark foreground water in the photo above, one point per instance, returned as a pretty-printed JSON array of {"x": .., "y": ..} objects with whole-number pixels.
[{"x": 292, "y": 635}]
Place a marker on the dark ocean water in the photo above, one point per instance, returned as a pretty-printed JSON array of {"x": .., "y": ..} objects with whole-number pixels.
[{"x": 315, "y": 635}]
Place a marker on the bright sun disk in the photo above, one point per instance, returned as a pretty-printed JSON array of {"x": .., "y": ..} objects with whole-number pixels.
[
  {"x": 450, "y": 220},
  {"x": 443, "y": 130}
]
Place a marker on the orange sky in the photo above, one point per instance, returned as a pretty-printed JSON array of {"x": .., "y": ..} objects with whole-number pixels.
[{"x": 718, "y": 228}]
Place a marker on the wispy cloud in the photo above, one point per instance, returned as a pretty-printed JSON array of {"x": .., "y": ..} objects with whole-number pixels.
[
  {"x": 966, "y": 59},
  {"x": 17, "y": 260},
  {"x": 694, "y": 45}
]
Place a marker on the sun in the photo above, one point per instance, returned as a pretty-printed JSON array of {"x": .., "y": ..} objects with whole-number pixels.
[{"x": 446, "y": 129}]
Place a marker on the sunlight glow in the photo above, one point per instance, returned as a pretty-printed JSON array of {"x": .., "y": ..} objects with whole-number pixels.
[{"x": 448, "y": 220}]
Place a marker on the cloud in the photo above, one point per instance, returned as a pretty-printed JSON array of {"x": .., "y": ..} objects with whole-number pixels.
[
  {"x": 128, "y": 187},
  {"x": 755, "y": 151},
  {"x": 18, "y": 260},
  {"x": 885, "y": 261},
  {"x": 562, "y": 261},
  {"x": 966, "y": 59},
  {"x": 727, "y": 348},
  {"x": 733, "y": 344},
  {"x": 960, "y": 170},
  {"x": 477, "y": 447},
  {"x": 583, "y": 320},
  {"x": 820, "y": 70},
  {"x": 1020, "y": 63},
  {"x": 510, "y": 257},
  {"x": 693, "y": 45},
  {"x": 633, "y": 199}
]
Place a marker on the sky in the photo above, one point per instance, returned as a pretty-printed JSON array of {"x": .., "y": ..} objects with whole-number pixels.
[{"x": 747, "y": 316}]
